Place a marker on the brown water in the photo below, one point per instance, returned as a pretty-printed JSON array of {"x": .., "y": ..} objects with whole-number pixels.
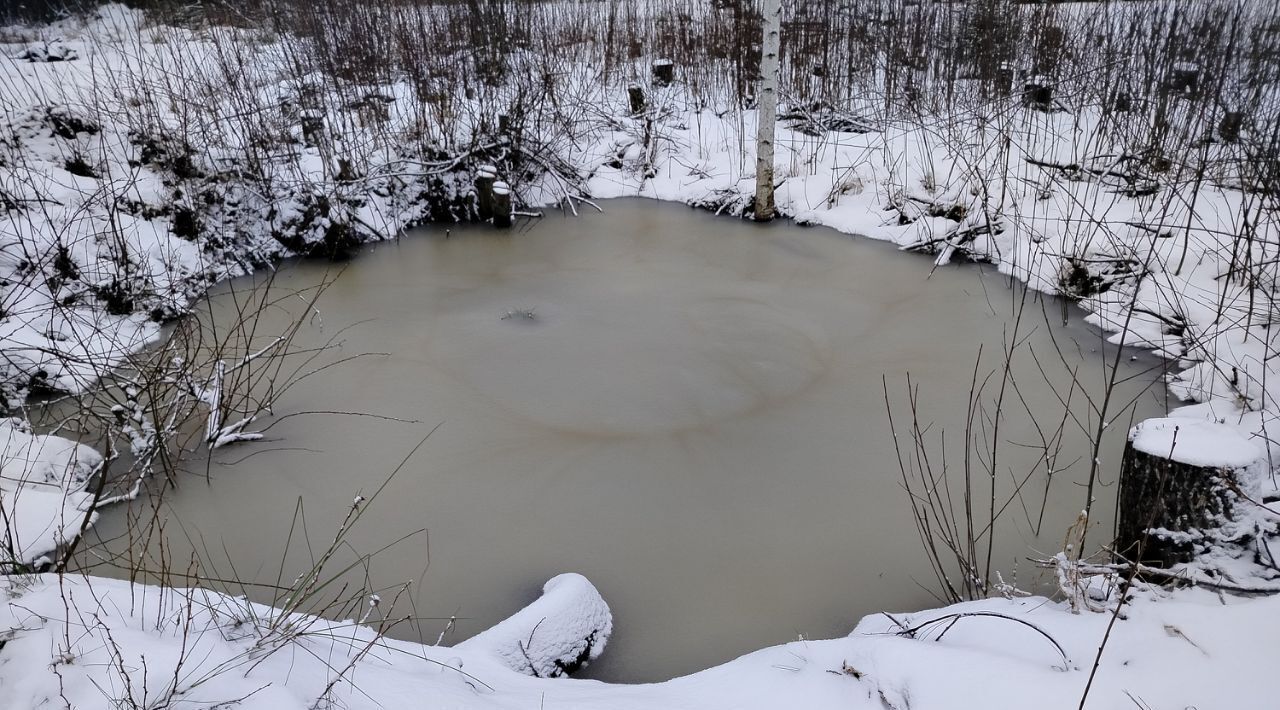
[{"x": 694, "y": 418}]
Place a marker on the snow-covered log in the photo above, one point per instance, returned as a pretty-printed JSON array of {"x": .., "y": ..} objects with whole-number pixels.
[{"x": 561, "y": 632}]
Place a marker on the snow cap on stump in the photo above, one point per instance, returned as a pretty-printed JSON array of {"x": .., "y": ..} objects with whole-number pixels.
[{"x": 1196, "y": 442}]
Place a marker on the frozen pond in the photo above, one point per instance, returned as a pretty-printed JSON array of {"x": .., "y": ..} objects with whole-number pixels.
[{"x": 694, "y": 418}]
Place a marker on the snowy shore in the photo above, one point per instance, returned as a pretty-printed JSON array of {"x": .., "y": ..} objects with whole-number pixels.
[
  {"x": 92, "y": 642},
  {"x": 111, "y": 222}
]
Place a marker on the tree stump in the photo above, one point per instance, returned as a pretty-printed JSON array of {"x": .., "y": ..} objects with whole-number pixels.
[
  {"x": 1037, "y": 93},
  {"x": 635, "y": 95},
  {"x": 1184, "y": 77},
  {"x": 1177, "y": 484},
  {"x": 312, "y": 128},
  {"x": 664, "y": 72},
  {"x": 485, "y": 178},
  {"x": 1121, "y": 102},
  {"x": 1006, "y": 74},
  {"x": 1230, "y": 125},
  {"x": 911, "y": 93},
  {"x": 501, "y": 205}
]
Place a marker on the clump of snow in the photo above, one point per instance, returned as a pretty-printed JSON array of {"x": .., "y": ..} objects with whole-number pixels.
[
  {"x": 53, "y": 51},
  {"x": 564, "y": 630}
]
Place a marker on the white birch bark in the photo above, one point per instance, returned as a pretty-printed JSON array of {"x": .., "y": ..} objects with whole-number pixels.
[{"x": 768, "y": 109}]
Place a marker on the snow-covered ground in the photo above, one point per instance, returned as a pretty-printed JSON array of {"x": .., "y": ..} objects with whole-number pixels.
[
  {"x": 133, "y": 176},
  {"x": 91, "y": 642}
]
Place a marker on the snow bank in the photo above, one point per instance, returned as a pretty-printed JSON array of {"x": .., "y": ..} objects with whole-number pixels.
[
  {"x": 42, "y": 497},
  {"x": 139, "y": 646},
  {"x": 562, "y": 631}
]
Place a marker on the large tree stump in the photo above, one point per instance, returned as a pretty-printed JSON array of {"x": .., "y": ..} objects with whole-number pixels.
[{"x": 1177, "y": 484}]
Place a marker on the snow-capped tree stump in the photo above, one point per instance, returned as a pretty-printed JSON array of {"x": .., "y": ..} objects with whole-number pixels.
[
  {"x": 1177, "y": 484},
  {"x": 501, "y": 205},
  {"x": 485, "y": 178},
  {"x": 1184, "y": 78},
  {"x": 635, "y": 95},
  {"x": 664, "y": 72},
  {"x": 1163, "y": 503},
  {"x": 1006, "y": 74}
]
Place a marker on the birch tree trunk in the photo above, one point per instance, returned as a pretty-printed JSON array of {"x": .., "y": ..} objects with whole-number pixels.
[{"x": 768, "y": 109}]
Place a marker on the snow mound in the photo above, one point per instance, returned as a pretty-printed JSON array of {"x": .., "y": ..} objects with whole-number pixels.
[
  {"x": 564, "y": 630},
  {"x": 42, "y": 493}
]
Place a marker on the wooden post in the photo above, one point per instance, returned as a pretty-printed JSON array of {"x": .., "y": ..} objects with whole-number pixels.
[
  {"x": 485, "y": 178},
  {"x": 767, "y": 113},
  {"x": 501, "y": 205}
]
